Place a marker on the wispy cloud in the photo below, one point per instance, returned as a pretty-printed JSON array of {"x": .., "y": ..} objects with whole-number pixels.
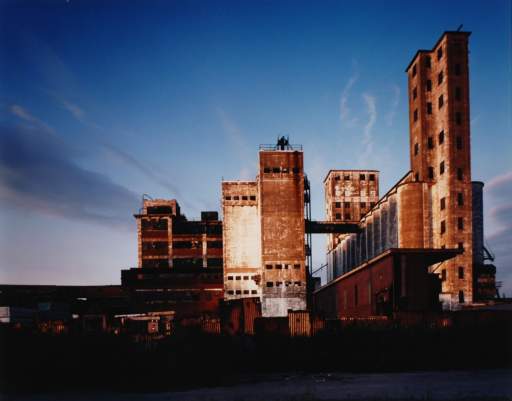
[
  {"x": 345, "y": 111},
  {"x": 367, "y": 140},
  {"x": 394, "y": 105},
  {"x": 25, "y": 115},
  {"x": 74, "y": 109},
  {"x": 38, "y": 174}
]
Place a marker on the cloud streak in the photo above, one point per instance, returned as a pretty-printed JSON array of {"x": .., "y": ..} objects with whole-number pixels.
[
  {"x": 345, "y": 111},
  {"x": 367, "y": 140},
  {"x": 25, "y": 115},
  {"x": 37, "y": 174}
]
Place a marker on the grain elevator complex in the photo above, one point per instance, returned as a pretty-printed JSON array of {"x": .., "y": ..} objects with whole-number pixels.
[{"x": 418, "y": 248}]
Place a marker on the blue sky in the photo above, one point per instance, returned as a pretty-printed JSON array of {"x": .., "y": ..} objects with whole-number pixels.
[{"x": 103, "y": 101}]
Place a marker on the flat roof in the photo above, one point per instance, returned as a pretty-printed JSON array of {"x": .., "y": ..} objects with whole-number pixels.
[
  {"x": 349, "y": 171},
  {"x": 467, "y": 33},
  {"x": 430, "y": 255}
]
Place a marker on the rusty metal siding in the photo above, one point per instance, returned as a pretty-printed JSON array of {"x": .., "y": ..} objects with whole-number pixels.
[{"x": 299, "y": 323}]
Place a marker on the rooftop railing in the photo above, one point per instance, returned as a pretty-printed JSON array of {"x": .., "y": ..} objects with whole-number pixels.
[{"x": 266, "y": 146}]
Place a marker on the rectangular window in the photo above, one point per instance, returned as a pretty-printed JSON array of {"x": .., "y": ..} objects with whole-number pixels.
[
  {"x": 431, "y": 173},
  {"x": 441, "y": 137},
  {"x": 338, "y": 216},
  {"x": 346, "y": 178},
  {"x": 347, "y": 216},
  {"x": 461, "y": 272},
  {"x": 457, "y": 69},
  {"x": 246, "y": 291},
  {"x": 279, "y": 266},
  {"x": 459, "y": 174},
  {"x": 236, "y": 198},
  {"x": 337, "y": 205},
  {"x": 443, "y": 227},
  {"x": 429, "y": 85},
  {"x": 254, "y": 292},
  {"x": 441, "y": 168},
  {"x": 362, "y": 177},
  {"x": 460, "y": 223},
  {"x": 238, "y": 277},
  {"x": 440, "y": 77},
  {"x": 296, "y": 266},
  {"x": 461, "y": 297},
  {"x": 230, "y": 277},
  {"x": 270, "y": 284},
  {"x": 416, "y": 149},
  {"x": 295, "y": 170},
  {"x": 372, "y": 204},
  {"x": 416, "y": 177},
  {"x": 461, "y": 246},
  {"x": 267, "y": 170},
  {"x": 414, "y": 70},
  {"x": 346, "y": 205},
  {"x": 231, "y": 292},
  {"x": 443, "y": 203},
  {"x": 430, "y": 142},
  {"x": 415, "y": 115},
  {"x": 246, "y": 277},
  {"x": 372, "y": 177},
  {"x": 429, "y": 108},
  {"x": 244, "y": 197},
  {"x": 458, "y": 118},
  {"x": 458, "y": 93},
  {"x": 440, "y": 102},
  {"x": 363, "y": 205},
  {"x": 276, "y": 169},
  {"x": 439, "y": 53},
  {"x": 337, "y": 178},
  {"x": 428, "y": 62},
  {"x": 227, "y": 197},
  {"x": 268, "y": 267},
  {"x": 238, "y": 292},
  {"x": 414, "y": 93},
  {"x": 443, "y": 275},
  {"x": 252, "y": 197},
  {"x": 460, "y": 199},
  {"x": 459, "y": 142}
]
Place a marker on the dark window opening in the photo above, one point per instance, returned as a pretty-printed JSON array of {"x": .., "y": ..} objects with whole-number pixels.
[
  {"x": 270, "y": 284},
  {"x": 443, "y": 227},
  {"x": 276, "y": 169},
  {"x": 296, "y": 170},
  {"x": 459, "y": 174},
  {"x": 227, "y": 197},
  {"x": 279, "y": 266},
  {"x": 429, "y": 85},
  {"x": 338, "y": 216},
  {"x": 267, "y": 170},
  {"x": 246, "y": 291},
  {"x": 461, "y": 246},
  {"x": 337, "y": 205},
  {"x": 443, "y": 203},
  {"x": 347, "y": 216},
  {"x": 337, "y": 178},
  {"x": 346, "y": 178},
  {"x": 296, "y": 266},
  {"x": 244, "y": 197},
  {"x": 417, "y": 176},
  {"x": 430, "y": 142},
  {"x": 431, "y": 172},
  {"x": 372, "y": 204},
  {"x": 254, "y": 292},
  {"x": 230, "y": 278},
  {"x": 458, "y": 93},
  {"x": 459, "y": 142},
  {"x": 362, "y": 177},
  {"x": 236, "y": 198},
  {"x": 441, "y": 168},
  {"x": 461, "y": 272},
  {"x": 439, "y": 53},
  {"x": 231, "y": 292},
  {"x": 441, "y": 137},
  {"x": 429, "y": 108},
  {"x": 372, "y": 177},
  {"x": 416, "y": 149},
  {"x": 457, "y": 69},
  {"x": 458, "y": 118},
  {"x": 460, "y": 199},
  {"x": 460, "y": 223},
  {"x": 461, "y": 297},
  {"x": 415, "y": 115},
  {"x": 238, "y": 277},
  {"x": 440, "y": 78},
  {"x": 440, "y": 102},
  {"x": 414, "y": 93},
  {"x": 443, "y": 275},
  {"x": 346, "y": 205},
  {"x": 268, "y": 267},
  {"x": 363, "y": 205},
  {"x": 238, "y": 292},
  {"x": 414, "y": 70},
  {"x": 428, "y": 62},
  {"x": 252, "y": 197}
]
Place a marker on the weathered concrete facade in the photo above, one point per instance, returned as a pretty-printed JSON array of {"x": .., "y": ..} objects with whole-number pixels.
[
  {"x": 440, "y": 153},
  {"x": 264, "y": 229},
  {"x": 167, "y": 239},
  {"x": 281, "y": 189},
  {"x": 349, "y": 195},
  {"x": 241, "y": 238}
]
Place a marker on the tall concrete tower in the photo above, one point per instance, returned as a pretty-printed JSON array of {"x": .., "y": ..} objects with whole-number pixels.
[
  {"x": 440, "y": 154},
  {"x": 281, "y": 191}
]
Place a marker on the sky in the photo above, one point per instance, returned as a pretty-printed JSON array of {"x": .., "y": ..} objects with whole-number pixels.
[{"x": 103, "y": 101}]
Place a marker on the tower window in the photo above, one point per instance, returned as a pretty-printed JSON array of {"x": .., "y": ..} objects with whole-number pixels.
[
  {"x": 346, "y": 205},
  {"x": 362, "y": 177},
  {"x": 443, "y": 203},
  {"x": 461, "y": 246},
  {"x": 363, "y": 205},
  {"x": 347, "y": 216},
  {"x": 428, "y": 62},
  {"x": 430, "y": 142},
  {"x": 414, "y": 70},
  {"x": 336, "y": 178},
  {"x": 414, "y": 93},
  {"x": 337, "y": 205},
  {"x": 338, "y": 216},
  {"x": 443, "y": 227},
  {"x": 270, "y": 284},
  {"x": 459, "y": 174},
  {"x": 440, "y": 101},
  {"x": 439, "y": 53},
  {"x": 458, "y": 118},
  {"x": 441, "y": 167},
  {"x": 416, "y": 176},
  {"x": 461, "y": 297},
  {"x": 415, "y": 115},
  {"x": 429, "y": 108},
  {"x": 457, "y": 69},
  {"x": 429, "y": 85},
  {"x": 441, "y": 137},
  {"x": 458, "y": 93},
  {"x": 431, "y": 173},
  {"x": 346, "y": 178},
  {"x": 416, "y": 149},
  {"x": 459, "y": 142},
  {"x": 372, "y": 177},
  {"x": 443, "y": 275},
  {"x": 460, "y": 199},
  {"x": 460, "y": 223},
  {"x": 440, "y": 77},
  {"x": 461, "y": 272}
]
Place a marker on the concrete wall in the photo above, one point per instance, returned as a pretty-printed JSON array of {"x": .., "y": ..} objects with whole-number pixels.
[{"x": 241, "y": 239}]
